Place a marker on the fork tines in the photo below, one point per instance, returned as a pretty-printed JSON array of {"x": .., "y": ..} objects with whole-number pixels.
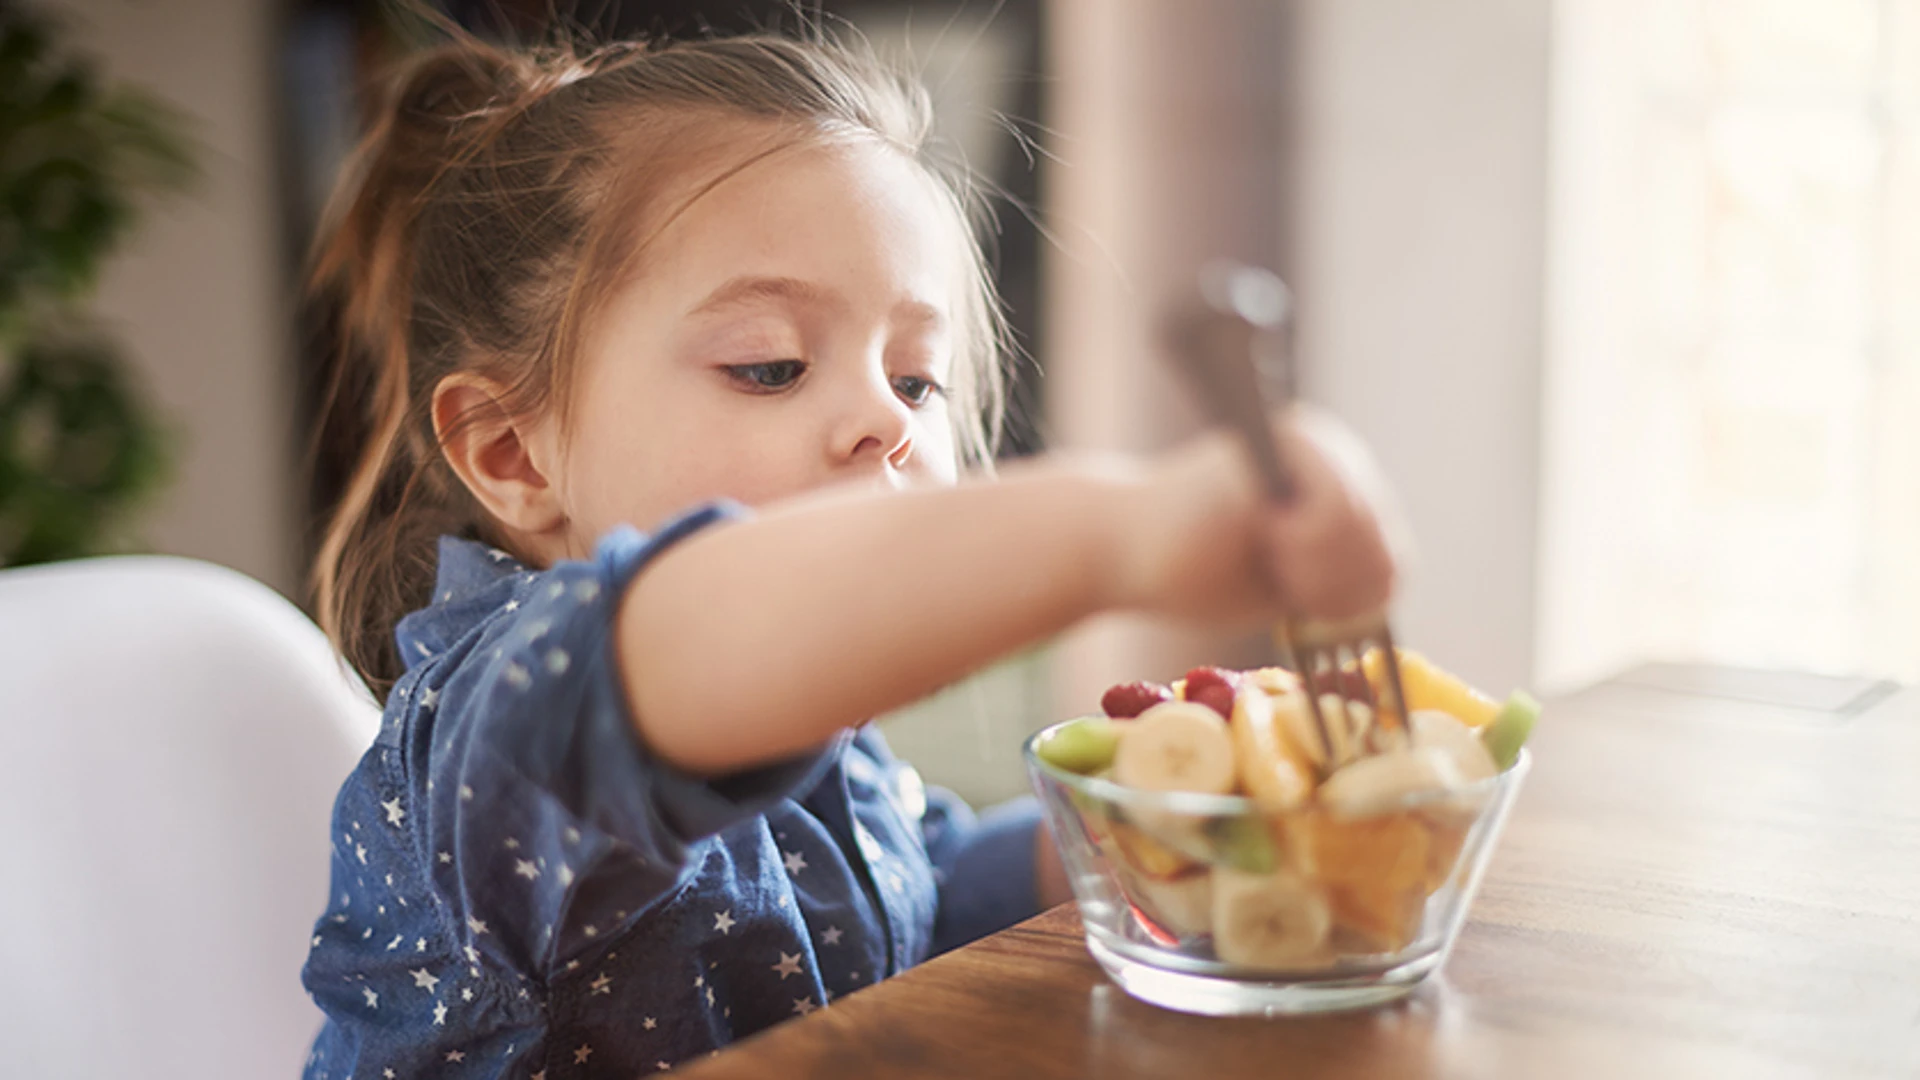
[{"x": 1328, "y": 658}]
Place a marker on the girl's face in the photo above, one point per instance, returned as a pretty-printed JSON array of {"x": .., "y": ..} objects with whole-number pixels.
[{"x": 792, "y": 328}]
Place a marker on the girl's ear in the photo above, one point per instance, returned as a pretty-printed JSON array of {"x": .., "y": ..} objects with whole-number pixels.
[{"x": 503, "y": 461}]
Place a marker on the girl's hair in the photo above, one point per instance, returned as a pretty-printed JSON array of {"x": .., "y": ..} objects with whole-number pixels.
[{"x": 491, "y": 209}]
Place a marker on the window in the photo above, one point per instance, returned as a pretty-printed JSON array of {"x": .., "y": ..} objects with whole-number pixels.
[{"x": 1732, "y": 416}]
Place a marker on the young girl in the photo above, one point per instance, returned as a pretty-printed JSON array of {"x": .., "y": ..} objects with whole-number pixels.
[{"x": 622, "y": 809}]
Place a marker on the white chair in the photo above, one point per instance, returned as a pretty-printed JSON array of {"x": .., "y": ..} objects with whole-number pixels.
[{"x": 171, "y": 738}]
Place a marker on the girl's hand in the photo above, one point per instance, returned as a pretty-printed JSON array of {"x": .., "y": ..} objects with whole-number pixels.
[{"x": 1203, "y": 542}]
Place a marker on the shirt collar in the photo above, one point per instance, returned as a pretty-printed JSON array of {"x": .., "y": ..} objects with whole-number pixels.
[{"x": 472, "y": 581}]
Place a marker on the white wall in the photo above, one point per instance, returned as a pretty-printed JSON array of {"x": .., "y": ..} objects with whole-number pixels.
[
  {"x": 198, "y": 296},
  {"x": 1416, "y": 202}
]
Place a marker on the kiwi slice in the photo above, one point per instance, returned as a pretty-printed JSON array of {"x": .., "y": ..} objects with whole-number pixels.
[
  {"x": 1508, "y": 732},
  {"x": 1082, "y": 746},
  {"x": 1242, "y": 843}
]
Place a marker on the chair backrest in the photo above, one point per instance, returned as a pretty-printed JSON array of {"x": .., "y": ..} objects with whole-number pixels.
[{"x": 171, "y": 738}]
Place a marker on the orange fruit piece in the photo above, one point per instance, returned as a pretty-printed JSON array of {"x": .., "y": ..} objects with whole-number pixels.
[
  {"x": 1375, "y": 870},
  {"x": 1429, "y": 687},
  {"x": 1389, "y": 852},
  {"x": 1443, "y": 850},
  {"x": 1387, "y": 920}
]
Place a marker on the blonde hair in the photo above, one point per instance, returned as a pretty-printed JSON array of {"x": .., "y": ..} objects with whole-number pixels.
[{"x": 482, "y": 223}]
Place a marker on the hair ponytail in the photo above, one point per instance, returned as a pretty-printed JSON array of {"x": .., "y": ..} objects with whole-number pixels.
[{"x": 370, "y": 568}]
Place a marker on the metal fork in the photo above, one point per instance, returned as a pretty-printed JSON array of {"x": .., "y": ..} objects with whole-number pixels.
[{"x": 1232, "y": 346}]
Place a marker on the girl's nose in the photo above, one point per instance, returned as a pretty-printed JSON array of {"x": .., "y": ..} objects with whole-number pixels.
[{"x": 875, "y": 428}]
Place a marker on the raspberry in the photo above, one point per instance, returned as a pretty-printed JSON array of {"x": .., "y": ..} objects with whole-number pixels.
[
  {"x": 1128, "y": 700},
  {"x": 1213, "y": 687},
  {"x": 1354, "y": 686}
]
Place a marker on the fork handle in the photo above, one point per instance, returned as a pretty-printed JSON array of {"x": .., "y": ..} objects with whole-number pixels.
[{"x": 1219, "y": 345}]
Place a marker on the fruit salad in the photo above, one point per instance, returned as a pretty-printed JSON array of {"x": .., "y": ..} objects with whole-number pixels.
[{"x": 1347, "y": 819}]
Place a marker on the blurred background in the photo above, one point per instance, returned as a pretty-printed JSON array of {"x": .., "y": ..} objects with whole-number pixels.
[{"x": 1625, "y": 294}]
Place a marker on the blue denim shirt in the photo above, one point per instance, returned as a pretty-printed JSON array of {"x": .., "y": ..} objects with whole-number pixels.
[{"x": 520, "y": 889}]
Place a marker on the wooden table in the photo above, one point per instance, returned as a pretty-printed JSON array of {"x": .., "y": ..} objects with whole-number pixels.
[{"x": 1709, "y": 874}]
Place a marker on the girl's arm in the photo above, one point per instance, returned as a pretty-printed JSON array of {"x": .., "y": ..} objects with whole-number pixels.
[{"x": 752, "y": 642}]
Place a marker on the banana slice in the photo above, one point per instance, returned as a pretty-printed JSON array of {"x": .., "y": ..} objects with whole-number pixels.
[
  {"x": 1268, "y": 920},
  {"x": 1274, "y": 680},
  {"x": 1183, "y": 906},
  {"x": 1271, "y": 769},
  {"x": 1177, "y": 746},
  {"x": 1347, "y": 725},
  {"x": 1381, "y": 782},
  {"x": 1443, "y": 730}
]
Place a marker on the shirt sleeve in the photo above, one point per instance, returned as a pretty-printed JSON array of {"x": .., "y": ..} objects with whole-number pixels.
[
  {"x": 551, "y": 823},
  {"x": 984, "y": 864}
]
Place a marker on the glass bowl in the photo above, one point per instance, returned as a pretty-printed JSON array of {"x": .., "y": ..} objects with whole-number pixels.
[{"x": 1208, "y": 904}]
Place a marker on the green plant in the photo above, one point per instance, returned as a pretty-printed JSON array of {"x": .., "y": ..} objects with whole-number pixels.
[{"x": 77, "y": 156}]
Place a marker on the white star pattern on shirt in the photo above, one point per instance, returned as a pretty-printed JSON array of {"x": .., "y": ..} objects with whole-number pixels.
[
  {"x": 587, "y": 590},
  {"x": 572, "y": 834},
  {"x": 428, "y": 696},
  {"x": 558, "y": 661},
  {"x": 516, "y": 675},
  {"x": 600, "y": 984},
  {"x": 394, "y": 811},
  {"x": 649, "y": 1023},
  {"x": 511, "y": 844},
  {"x": 566, "y": 874},
  {"x": 422, "y": 646},
  {"x": 456, "y": 1056},
  {"x": 723, "y": 922},
  {"x": 581, "y": 1055},
  {"x": 525, "y": 869},
  {"x": 446, "y": 857},
  {"x": 473, "y": 954},
  {"x": 466, "y": 993},
  {"x": 513, "y": 605},
  {"x": 831, "y": 936},
  {"x": 424, "y": 979},
  {"x": 420, "y": 945},
  {"x": 475, "y": 924},
  {"x": 795, "y": 861},
  {"x": 388, "y": 1073},
  {"x": 788, "y": 965},
  {"x": 699, "y": 981},
  {"x": 662, "y": 1066},
  {"x": 466, "y": 793},
  {"x": 803, "y": 1006},
  {"x": 395, "y": 943},
  {"x": 373, "y": 999},
  {"x": 360, "y": 852},
  {"x": 709, "y": 997},
  {"x": 440, "y": 1013}
]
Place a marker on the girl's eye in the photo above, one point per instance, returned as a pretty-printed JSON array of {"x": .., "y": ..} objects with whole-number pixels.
[
  {"x": 766, "y": 378},
  {"x": 915, "y": 390}
]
